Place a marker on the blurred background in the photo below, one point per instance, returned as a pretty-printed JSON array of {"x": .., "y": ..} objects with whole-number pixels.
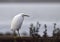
[
  {"x": 29, "y": 1},
  {"x": 44, "y": 11}
]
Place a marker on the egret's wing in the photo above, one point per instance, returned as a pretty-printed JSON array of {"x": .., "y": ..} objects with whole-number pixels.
[{"x": 16, "y": 22}]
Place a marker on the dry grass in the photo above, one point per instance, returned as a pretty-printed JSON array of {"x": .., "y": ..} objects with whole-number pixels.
[{"x": 27, "y": 39}]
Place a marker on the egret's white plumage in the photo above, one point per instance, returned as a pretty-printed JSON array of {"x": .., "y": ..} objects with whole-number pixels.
[{"x": 17, "y": 22}]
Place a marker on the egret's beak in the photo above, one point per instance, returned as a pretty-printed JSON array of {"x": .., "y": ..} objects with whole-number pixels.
[{"x": 26, "y": 15}]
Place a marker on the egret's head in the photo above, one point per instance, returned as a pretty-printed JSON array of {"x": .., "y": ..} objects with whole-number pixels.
[{"x": 24, "y": 15}]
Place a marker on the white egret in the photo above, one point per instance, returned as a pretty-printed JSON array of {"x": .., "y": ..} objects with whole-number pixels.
[{"x": 17, "y": 22}]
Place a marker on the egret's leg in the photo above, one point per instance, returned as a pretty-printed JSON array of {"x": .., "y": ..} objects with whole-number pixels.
[
  {"x": 18, "y": 33},
  {"x": 14, "y": 33}
]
